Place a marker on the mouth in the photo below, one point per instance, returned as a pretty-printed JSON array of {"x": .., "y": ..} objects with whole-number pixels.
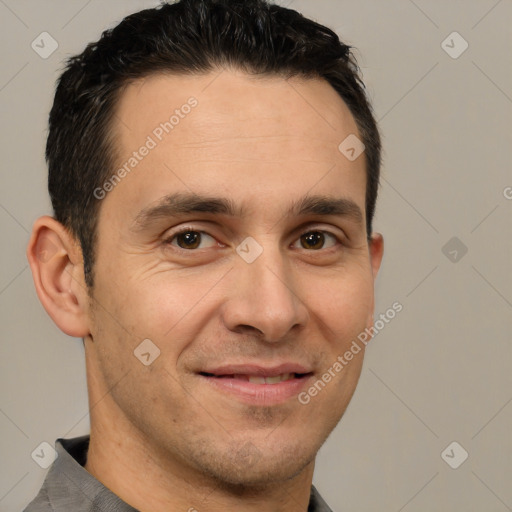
[
  {"x": 258, "y": 379},
  {"x": 257, "y": 385}
]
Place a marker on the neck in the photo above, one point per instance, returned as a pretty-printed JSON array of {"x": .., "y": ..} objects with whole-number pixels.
[{"x": 125, "y": 461}]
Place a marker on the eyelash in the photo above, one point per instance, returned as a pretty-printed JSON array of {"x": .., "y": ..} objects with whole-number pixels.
[{"x": 188, "y": 229}]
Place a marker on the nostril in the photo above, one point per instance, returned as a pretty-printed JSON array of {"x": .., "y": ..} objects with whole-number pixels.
[{"x": 248, "y": 329}]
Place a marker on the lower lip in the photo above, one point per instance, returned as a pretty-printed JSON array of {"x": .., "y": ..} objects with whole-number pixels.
[{"x": 259, "y": 394}]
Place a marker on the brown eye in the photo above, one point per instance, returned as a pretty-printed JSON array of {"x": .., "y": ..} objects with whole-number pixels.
[
  {"x": 190, "y": 239},
  {"x": 316, "y": 240}
]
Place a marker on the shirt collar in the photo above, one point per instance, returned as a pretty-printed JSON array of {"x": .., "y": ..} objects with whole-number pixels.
[{"x": 69, "y": 486}]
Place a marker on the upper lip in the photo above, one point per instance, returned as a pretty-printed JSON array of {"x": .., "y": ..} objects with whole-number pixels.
[{"x": 257, "y": 370}]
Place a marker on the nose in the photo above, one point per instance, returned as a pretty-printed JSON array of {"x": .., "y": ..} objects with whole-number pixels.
[{"x": 263, "y": 299}]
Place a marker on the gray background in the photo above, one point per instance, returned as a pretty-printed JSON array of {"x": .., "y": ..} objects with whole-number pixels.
[{"x": 440, "y": 371}]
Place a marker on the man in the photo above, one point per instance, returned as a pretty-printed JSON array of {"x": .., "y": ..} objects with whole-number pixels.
[{"x": 213, "y": 168}]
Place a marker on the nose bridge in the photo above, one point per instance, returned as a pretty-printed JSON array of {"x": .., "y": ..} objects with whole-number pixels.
[{"x": 265, "y": 296}]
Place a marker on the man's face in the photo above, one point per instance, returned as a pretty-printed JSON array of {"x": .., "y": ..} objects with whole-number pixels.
[{"x": 222, "y": 318}]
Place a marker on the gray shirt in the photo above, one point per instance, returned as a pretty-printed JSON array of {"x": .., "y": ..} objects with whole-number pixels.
[{"x": 68, "y": 487}]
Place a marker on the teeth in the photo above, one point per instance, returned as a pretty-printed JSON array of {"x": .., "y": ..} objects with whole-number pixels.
[
  {"x": 270, "y": 380},
  {"x": 275, "y": 380},
  {"x": 256, "y": 380}
]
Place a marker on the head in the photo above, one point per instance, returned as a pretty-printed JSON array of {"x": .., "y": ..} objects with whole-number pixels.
[{"x": 201, "y": 201}]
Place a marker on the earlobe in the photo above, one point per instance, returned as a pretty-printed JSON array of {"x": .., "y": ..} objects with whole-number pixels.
[{"x": 57, "y": 269}]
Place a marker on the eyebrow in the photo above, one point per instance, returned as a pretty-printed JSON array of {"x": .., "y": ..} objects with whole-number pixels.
[{"x": 177, "y": 204}]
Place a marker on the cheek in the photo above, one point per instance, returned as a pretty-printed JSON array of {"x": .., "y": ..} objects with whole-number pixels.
[
  {"x": 149, "y": 305},
  {"x": 169, "y": 312},
  {"x": 171, "y": 306},
  {"x": 345, "y": 305}
]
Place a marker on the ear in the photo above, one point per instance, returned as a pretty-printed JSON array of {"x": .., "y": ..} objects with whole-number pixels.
[
  {"x": 56, "y": 262},
  {"x": 376, "y": 245},
  {"x": 376, "y": 248}
]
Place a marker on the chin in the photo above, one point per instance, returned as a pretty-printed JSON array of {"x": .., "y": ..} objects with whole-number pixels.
[{"x": 248, "y": 469}]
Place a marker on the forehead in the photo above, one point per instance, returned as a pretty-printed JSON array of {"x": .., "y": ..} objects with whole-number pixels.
[{"x": 219, "y": 131}]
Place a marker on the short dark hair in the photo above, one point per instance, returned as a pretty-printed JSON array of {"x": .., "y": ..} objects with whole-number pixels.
[{"x": 186, "y": 37}]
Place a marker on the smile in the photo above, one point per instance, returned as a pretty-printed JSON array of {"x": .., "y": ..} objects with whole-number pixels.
[{"x": 256, "y": 385}]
